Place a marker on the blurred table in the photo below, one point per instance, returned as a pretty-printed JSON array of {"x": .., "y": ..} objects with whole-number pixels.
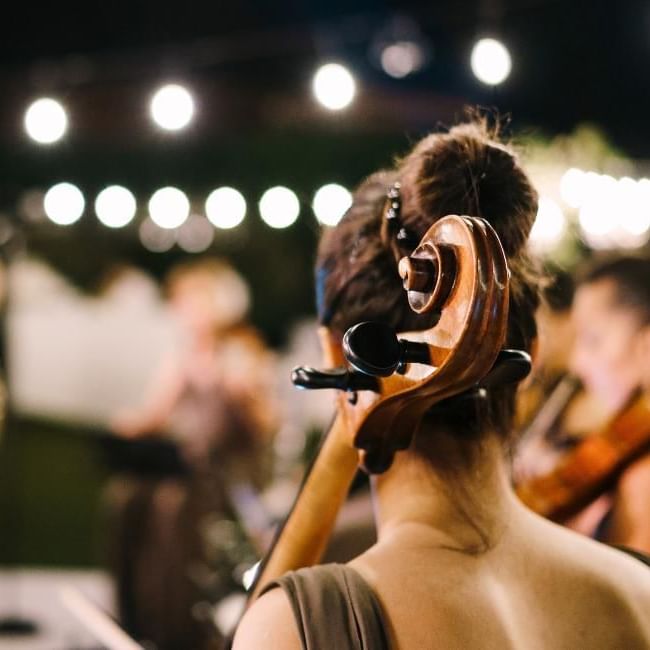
[{"x": 35, "y": 594}]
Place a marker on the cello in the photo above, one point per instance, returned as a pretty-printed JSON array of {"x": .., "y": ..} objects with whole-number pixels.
[{"x": 387, "y": 382}]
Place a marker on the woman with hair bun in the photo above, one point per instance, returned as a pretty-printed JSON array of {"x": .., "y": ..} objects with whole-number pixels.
[{"x": 459, "y": 561}]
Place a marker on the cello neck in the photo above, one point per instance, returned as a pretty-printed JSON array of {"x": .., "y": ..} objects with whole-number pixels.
[{"x": 304, "y": 535}]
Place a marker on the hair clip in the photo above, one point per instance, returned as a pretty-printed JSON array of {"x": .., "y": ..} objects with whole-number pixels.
[{"x": 392, "y": 214}]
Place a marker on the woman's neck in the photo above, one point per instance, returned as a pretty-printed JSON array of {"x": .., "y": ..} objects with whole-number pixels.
[{"x": 467, "y": 508}]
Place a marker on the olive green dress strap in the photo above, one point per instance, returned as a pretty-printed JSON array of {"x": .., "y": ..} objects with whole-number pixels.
[{"x": 334, "y": 608}]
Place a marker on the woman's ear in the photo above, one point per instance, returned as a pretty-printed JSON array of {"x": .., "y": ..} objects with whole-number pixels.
[{"x": 331, "y": 348}]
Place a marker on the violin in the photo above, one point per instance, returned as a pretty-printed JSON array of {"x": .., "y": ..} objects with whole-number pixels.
[
  {"x": 594, "y": 464},
  {"x": 386, "y": 382}
]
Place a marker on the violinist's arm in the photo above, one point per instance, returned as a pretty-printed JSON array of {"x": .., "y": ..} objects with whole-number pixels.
[
  {"x": 631, "y": 514},
  {"x": 269, "y": 623}
]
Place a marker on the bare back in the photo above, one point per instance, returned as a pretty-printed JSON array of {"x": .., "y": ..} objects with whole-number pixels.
[{"x": 539, "y": 587}]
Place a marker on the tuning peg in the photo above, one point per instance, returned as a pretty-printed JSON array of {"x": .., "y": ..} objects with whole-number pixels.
[
  {"x": 511, "y": 366},
  {"x": 374, "y": 349},
  {"x": 339, "y": 378}
]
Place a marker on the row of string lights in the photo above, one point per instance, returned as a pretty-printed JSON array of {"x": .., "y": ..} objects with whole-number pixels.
[
  {"x": 333, "y": 85},
  {"x": 170, "y": 219},
  {"x": 593, "y": 199}
]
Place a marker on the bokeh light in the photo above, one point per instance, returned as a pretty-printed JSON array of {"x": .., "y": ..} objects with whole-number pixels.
[
  {"x": 334, "y": 86},
  {"x": 195, "y": 235},
  {"x": 64, "y": 204},
  {"x": 169, "y": 207},
  {"x": 549, "y": 227},
  {"x": 115, "y": 206},
  {"x": 572, "y": 187},
  {"x": 46, "y": 121},
  {"x": 402, "y": 59},
  {"x": 330, "y": 203},
  {"x": 279, "y": 207},
  {"x": 30, "y": 206},
  {"x": 154, "y": 238},
  {"x": 172, "y": 107},
  {"x": 491, "y": 62},
  {"x": 225, "y": 207}
]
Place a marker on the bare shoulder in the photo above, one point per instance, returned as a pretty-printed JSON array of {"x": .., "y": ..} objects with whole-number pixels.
[
  {"x": 269, "y": 623},
  {"x": 597, "y": 572}
]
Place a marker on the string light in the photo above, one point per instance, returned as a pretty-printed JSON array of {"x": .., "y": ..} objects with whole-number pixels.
[
  {"x": 172, "y": 107},
  {"x": 330, "y": 203},
  {"x": 334, "y": 86},
  {"x": 225, "y": 207},
  {"x": 169, "y": 207},
  {"x": 115, "y": 206},
  {"x": 46, "y": 121},
  {"x": 491, "y": 62},
  {"x": 279, "y": 207},
  {"x": 64, "y": 204}
]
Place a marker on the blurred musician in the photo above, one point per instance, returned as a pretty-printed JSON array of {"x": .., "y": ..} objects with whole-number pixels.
[
  {"x": 610, "y": 355},
  {"x": 212, "y": 400}
]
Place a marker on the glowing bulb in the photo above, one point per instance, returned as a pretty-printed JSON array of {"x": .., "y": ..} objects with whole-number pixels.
[
  {"x": 195, "y": 235},
  {"x": 334, "y": 86},
  {"x": 169, "y": 207},
  {"x": 64, "y": 204},
  {"x": 115, "y": 206},
  {"x": 225, "y": 208},
  {"x": 331, "y": 203},
  {"x": 279, "y": 207},
  {"x": 491, "y": 62},
  {"x": 172, "y": 107},
  {"x": 46, "y": 121},
  {"x": 549, "y": 227}
]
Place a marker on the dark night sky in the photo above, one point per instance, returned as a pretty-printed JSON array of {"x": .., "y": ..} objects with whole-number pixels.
[{"x": 574, "y": 61}]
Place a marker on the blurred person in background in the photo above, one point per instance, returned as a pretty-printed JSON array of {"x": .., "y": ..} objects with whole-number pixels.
[
  {"x": 553, "y": 345},
  {"x": 186, "y": 508},
  {"x": 610, "y": 356}
]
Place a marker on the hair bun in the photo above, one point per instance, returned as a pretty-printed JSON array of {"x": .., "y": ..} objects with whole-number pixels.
[{"x": 468, "y": 171}]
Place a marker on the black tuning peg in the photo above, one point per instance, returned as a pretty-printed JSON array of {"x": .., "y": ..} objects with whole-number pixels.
[
  {"x": 511, "y": 366},
  {"x": 339, "y": 378},
  {"x": 374, "y": 349}
]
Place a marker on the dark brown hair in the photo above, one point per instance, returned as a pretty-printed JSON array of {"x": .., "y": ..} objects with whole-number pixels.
[
  {"x": 631, "y": 275},
  {"x": 466, "y": 171}
]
